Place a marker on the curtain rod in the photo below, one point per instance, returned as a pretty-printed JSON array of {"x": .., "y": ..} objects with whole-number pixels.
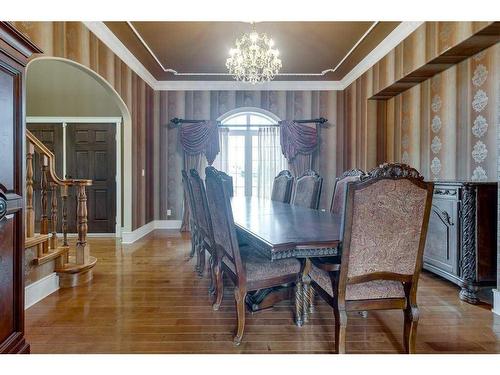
[{"x": 179, "y": 121}]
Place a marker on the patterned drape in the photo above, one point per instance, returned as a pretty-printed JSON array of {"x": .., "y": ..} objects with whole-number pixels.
[
  {"x": 201, "y": 137},
  {"x": 297, "y": 139},
  {"x": 298, "y": 142}
]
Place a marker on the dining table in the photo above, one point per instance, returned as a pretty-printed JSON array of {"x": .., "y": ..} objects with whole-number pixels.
[{"x": 278, "y": 230}]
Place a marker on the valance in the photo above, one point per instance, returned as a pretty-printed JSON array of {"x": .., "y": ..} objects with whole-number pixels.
[
  {"x": 297, "y": 139},
  {"x": 201, "y": 137}
]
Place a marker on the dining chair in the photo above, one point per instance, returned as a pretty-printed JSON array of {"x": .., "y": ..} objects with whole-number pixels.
[
  {"x": 307, "y": 190},
  {"x": 384, "y": 232},
  {"x": 244, "y": 267},
  {"x": 228, "y": 181},
  {"x": 282, "y": 187},
  {"x": 205, "y": 232},
  {"x": 339, "y": 189},
  {"x": 192, "y": 215}
]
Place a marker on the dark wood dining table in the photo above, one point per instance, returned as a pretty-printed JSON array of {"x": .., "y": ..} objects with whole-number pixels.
[{"x": 280, "y": 230}]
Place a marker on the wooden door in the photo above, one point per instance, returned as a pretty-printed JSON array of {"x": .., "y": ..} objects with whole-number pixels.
[
  {"x": 91, "y": 154},
  {"x": 14, "y": 53},
  {"x": 51, "y": 136}
]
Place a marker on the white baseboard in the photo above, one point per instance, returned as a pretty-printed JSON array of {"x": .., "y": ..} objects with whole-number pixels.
[
  {"x": 40, "y": 289},
  {"x": 131, "y": 237},
  {"x": 496, "y": 301}
]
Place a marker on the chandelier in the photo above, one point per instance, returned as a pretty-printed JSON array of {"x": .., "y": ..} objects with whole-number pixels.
[{"x": 253, "y": 59}]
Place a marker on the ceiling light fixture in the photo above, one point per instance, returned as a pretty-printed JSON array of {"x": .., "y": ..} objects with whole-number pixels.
[{"x": 253, "y": 59}]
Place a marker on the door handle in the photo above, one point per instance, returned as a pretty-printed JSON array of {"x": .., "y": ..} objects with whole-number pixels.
[{"x": 3, "y": 208}]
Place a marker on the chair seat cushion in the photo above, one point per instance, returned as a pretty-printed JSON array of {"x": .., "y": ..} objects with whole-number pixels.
[
  {"x": 258, "y": 267},
  {"x": 376, "y": 289}
]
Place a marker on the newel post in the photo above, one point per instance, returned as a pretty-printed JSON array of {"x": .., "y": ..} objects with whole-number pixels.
[{"x": 82, "y": 248}]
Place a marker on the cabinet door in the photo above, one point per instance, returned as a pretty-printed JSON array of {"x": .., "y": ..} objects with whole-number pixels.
[{"x": 442, "y": 236}]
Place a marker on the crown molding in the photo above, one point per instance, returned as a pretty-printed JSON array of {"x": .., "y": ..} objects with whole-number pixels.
[
  {"x": 111, "y": 40},
  {"x": 391, "y": 41},
  {"x": 384, "y": 47},
  {"x": 245, "y": 86}
]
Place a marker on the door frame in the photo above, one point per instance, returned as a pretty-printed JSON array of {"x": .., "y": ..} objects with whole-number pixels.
[{"x": 117, "y": 121}]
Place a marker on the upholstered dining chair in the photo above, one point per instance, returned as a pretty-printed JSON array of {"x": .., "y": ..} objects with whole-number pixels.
[
  {"x": 339, "y": 190},
  {"x": 385, "y": 227},
  {"x": 204, "y": 224},
  {"x": 228, "y": 181},
  {"x": 192, "y": 215},
  {"x": 282, "y": 187},
  {"x": 245, "y": 268},
  {"x": 307, "y": 190}
]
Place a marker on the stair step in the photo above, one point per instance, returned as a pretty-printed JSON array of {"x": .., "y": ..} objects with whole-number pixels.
[
  {"x": 37, "y": 239},
  {"x": 53, "y": 254},
  {"x": 77, "y": 268}
]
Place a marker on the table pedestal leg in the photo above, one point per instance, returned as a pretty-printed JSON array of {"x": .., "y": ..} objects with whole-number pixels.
[
  {"x": 306, "y": 292},
  {"x": 299, "y": 304}
]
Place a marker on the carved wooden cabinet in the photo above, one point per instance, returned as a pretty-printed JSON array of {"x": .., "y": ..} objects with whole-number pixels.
[
  {"x": 15, "y": 50},
  {"x": 461, "y": 239}
]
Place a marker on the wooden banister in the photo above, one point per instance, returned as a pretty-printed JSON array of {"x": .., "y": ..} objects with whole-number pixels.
[
  {"x": 52, "y": 176},
  {"x": 73, "y": 270}
]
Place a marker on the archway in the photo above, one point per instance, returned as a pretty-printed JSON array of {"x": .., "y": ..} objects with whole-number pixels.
[{"x": 124, "y": 158}]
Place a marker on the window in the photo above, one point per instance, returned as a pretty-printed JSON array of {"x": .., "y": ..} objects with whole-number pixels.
[{"x": 246, "y": 137}]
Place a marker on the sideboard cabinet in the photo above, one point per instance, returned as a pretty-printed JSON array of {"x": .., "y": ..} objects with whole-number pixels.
[
  {"x": 461, "y": 239},
  {"x": 15, "y": 50}
]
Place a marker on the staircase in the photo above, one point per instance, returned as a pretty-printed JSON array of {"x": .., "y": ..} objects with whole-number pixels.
[{"x": 73, "y": 266}]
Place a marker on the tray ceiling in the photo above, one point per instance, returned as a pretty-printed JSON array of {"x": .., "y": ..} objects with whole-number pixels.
[{"x": 175, "y": 50}]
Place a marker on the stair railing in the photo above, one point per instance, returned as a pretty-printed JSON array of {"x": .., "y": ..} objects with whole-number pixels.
[{"x": 50, "y": 183}]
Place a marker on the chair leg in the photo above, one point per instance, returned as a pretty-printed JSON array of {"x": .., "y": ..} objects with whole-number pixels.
[
  {"x": 193, "y": 244},
  {"x": 201, "y": 263},
  {"x": 239, "y": 296},
  {"x": 219, "y": 286},
  {"x": 211, "y": 289},
  {"x": 340, "y": 329},
  {"x": 411, "y": 315}
]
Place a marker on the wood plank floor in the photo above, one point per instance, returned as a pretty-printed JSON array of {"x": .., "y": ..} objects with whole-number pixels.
[{"x": 146, "y": 298}]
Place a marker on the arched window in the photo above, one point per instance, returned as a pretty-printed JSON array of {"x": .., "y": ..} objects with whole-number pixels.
[{"x": 250, "y": 150}]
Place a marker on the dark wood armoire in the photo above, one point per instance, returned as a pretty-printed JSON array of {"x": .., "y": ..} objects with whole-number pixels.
[{"x": 15, "y": 51}]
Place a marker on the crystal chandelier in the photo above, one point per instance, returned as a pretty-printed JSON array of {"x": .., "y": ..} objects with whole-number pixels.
[{"x": 253, "y": 59}]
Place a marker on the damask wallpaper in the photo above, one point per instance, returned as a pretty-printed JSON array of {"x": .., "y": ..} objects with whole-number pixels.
[{"x": 446, "y": 126}]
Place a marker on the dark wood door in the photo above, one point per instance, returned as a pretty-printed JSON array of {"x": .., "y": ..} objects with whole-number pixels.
[
  {"x": 91, "y": 154},
  {"x": 51, "y": 136},
  {"x": 14, "y": 53}
]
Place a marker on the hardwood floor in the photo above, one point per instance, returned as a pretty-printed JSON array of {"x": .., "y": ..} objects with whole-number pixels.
[{"x": 146, "y": 298}]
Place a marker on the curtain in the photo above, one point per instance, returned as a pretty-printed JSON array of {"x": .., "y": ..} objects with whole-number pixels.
[
  {"x": 197, "y": 162},
  {"x": 197, "y": 139},
  {"x": 300, "y": 163},
  {"x": 298, "y": 143},
  {"x": 221, "y": 162},
  {"x": 270, "y": 160},
  {"x": 201, "y": 137}
]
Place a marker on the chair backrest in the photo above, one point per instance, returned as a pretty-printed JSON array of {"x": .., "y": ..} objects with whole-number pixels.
[
  {"x": 339, "y": 190},
  {"x": 307, "y": 190},
  {"x": 228, "y": 181},
  {"x": 282, "y": 187},
  {"x": 385, "y": 226},
  {"x": 200, "y": 202},
  {"x": 188, "y": 193},
  {"x": 221, "y": 215}
]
